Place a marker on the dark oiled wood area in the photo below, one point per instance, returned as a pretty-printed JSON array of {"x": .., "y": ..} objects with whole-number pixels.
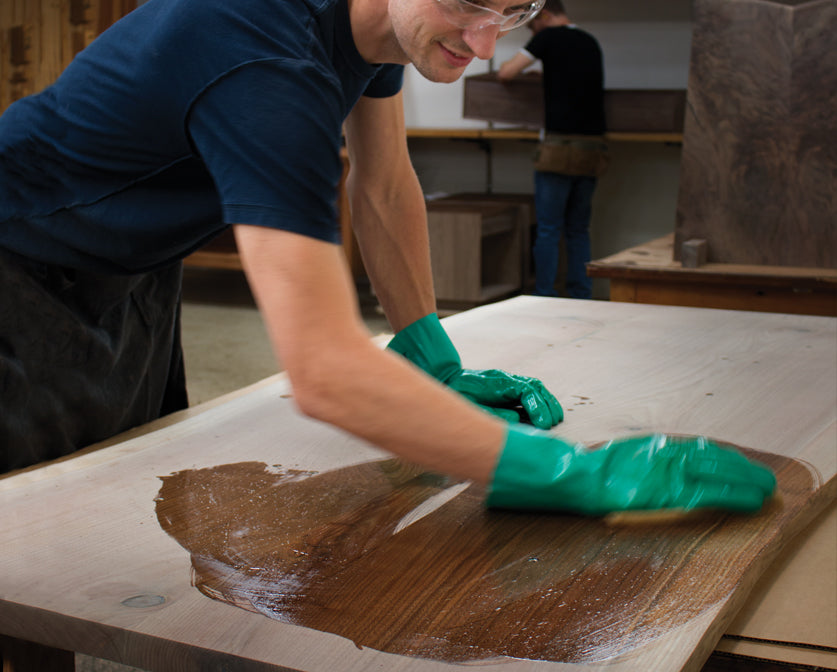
[{"x": 411, "y": 563}]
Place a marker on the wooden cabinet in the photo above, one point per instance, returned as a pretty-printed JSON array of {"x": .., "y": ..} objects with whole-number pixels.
[
  {"x": 475, "y": 249},
  {"x": 525, "y": 205}
]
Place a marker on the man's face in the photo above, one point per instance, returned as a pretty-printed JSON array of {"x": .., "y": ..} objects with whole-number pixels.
[{"x": 439, "y": 49}]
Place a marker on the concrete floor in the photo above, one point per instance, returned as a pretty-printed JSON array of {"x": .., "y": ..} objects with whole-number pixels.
[
  {"x": 225, "y": 344},
  {"x": 225, "y": 348}
]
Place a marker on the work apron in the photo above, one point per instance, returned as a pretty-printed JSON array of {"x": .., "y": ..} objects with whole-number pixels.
[
  {"x": 576, "y": 155},
  {"x": 83, "y": 356}
]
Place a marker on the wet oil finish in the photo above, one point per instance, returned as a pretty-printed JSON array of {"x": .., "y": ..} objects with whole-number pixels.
[{"x": 365, "y": 553}]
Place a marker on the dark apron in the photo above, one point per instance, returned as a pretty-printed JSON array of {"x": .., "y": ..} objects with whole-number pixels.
[{"x": 83, "y": 356}]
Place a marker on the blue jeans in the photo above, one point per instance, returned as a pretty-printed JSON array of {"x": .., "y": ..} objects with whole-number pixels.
[{"x": 563, "y": 203}]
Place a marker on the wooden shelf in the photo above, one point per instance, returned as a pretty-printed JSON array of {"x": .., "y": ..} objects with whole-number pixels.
[
  {"x": 519, "y": 102},
  {"x": 530, "y": 134},
  {"x": 675, "y": 138},
  {"x": 455, "y": 133}
]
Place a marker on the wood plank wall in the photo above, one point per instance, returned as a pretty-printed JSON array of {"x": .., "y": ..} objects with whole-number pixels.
[{"x": 38, "y": 39}]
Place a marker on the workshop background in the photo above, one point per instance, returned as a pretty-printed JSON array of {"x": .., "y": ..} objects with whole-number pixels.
[{"x": 647, "y": 47}]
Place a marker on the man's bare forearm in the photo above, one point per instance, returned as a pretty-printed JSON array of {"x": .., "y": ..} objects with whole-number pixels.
[
  {"x": 389, "y": 216},
  {"x": 393, "y": 239}
]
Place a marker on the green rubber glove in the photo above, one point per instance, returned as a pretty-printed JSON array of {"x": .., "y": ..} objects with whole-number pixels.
[
  {"x": 539, "y": 471},
  {"x": 426, "y": 345}
]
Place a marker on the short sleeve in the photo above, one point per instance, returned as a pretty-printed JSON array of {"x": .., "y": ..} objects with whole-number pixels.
[
  {"x": 386, "y": 82},
  {"x": 269, "y": 134}
]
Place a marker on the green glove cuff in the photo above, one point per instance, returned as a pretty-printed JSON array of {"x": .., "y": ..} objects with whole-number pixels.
[
  {"x": 539, "y": 471},
  {"x": 426, "y": 345}
]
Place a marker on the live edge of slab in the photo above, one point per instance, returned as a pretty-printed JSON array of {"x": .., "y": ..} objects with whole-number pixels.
[{"x": 648, "y": 274}]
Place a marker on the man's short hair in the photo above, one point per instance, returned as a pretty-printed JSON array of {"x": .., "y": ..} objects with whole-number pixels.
[{"x": 555, "y": 7}]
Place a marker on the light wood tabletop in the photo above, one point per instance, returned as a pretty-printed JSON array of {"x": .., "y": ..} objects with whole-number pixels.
[{"x": 242, "y": 536}]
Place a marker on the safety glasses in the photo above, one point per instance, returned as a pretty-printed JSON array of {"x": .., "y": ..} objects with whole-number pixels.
[{"x": 472, "y": 15}]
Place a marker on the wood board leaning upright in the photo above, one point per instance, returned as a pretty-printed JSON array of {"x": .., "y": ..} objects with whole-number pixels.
[{"x": 249, "y": 537}]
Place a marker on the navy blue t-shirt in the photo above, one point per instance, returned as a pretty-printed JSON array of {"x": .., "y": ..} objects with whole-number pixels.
[{"x": 184, "y": 117}]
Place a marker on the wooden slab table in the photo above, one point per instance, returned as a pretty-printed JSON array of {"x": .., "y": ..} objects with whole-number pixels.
[{"x": 241, "y": 536}]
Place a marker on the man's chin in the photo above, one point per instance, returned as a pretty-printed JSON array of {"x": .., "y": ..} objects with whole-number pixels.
[
  {"x": 441, "y": 75},
  {"x": 447, "y": 80}
]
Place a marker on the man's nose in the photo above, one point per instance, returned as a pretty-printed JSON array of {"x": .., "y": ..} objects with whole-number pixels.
[{"x": 482, "y": 40}]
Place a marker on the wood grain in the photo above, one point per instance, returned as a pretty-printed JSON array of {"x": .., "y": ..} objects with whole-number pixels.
[
  {"x": 759, "y": 165},
  {"x": 103, "y": 576},
  {"x": 527, "y": 222},
  {"x": 475, "y": 249},
  {"x": 460, "y": 584},
  {"x": 39, "y": 38}
]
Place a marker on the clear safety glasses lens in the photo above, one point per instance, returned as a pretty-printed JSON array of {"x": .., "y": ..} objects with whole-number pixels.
[{"x": 466, "y": 14}]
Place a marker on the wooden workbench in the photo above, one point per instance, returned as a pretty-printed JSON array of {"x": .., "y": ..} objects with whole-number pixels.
[
  {"x": 241, "y": 536},
  {"x": 648, "y": 273}
]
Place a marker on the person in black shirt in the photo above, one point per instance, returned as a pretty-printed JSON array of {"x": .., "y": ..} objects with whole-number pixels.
[{"x": 573, "y": 152}]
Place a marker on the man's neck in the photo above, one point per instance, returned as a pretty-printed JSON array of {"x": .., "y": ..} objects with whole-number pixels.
[{"x": 371, "y": 31}]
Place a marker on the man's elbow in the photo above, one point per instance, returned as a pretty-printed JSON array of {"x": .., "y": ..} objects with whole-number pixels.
[
  {"x": 324, "y": 384},
  {"x": 312, "y": 393}
]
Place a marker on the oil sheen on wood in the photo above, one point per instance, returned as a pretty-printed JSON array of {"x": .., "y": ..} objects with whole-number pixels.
[
  {"x": 759, "y": 166},
  {"x": 411, "y": 563}
]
